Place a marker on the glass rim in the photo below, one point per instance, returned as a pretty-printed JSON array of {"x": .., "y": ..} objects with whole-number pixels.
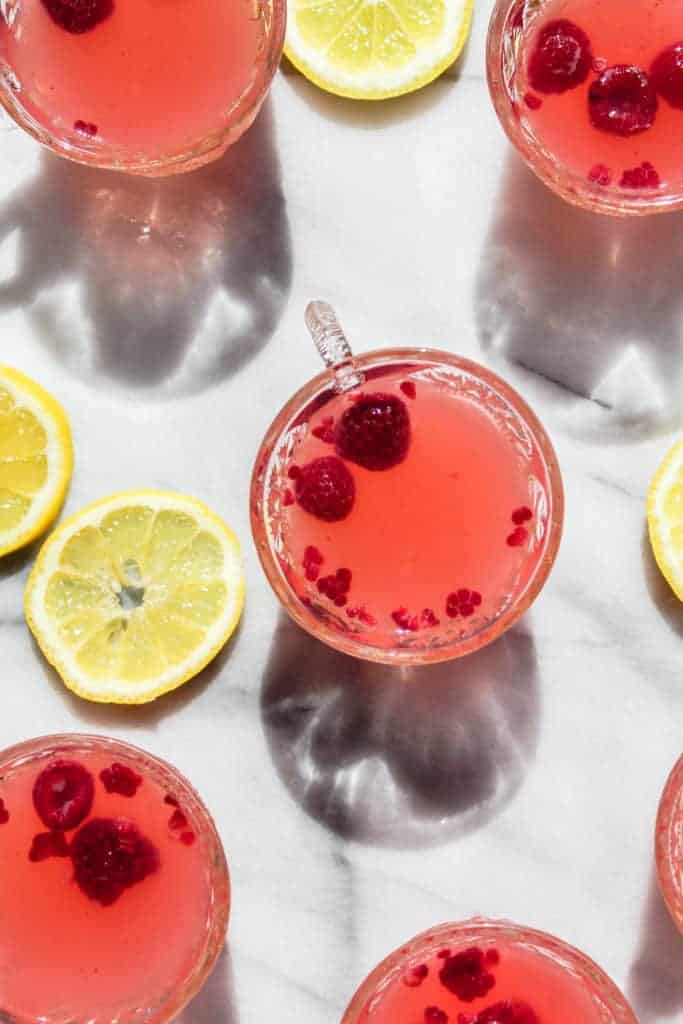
[
  {"x": 670, "y": 883},
  {"x": 210, "y": 147},
  {"x": 482, "y": 929},
  {"x": 406, "y": 655},
  {"x": 562, "y": 182},
  {"x": 217, "y": 922}
]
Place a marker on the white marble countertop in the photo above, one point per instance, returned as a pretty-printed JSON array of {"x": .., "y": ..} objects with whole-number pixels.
[{"x": 358, "y": 806}]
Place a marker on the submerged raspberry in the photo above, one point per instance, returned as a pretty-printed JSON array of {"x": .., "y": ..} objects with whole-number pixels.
[
  {"x": 63, "y": 794},
  {"x": 408, "y": 388},
  {"x": 517, "y": 537},
  {"x": 600, "y": 174},
  {"x": 622, "y": 101},
  {"x": 644, "y": 176},
  {"x": 326, "y": 489},
  {"x": 465, "y": 975},
  {"x": 435, "y": 1015},
  {"x": 336, "y": 586},
  {"x": 507, "y": 1012},
  {"x": 85, "y": 127},
  {"x": 404, "y": 620},
  {"x": 415, "y": 976},
  {"x": 561, "y": 58},
  {"x": 4, "y": 813},
  {"x": 462, "y": 602},
  {"x": 521, "y": 515},
  {"x": 77, "y": 16},
  {"x": 532, "y": 101},
  {"x": 110, "y": 855},
  {"x": 325, "y": 430},
  {"x": 48, "y": 844},
  {"x": 666, "y": 74},
  {"x": 177, "y": 821},
  {"x": 120, "y": 779},
  {"x": 374, "y": 432}
]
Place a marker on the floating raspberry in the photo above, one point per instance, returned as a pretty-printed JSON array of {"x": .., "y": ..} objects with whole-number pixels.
[
  {"x": 522, "y": 515},
  {"x": 507, "y": 1012},
  {"x": 325, "y": 430},
  {"x": 561, "y": 58},
  {"x": 120, "y": 779},
  {"x": 374, "y": 432},
  {"x": 109, "y": 856},
  {"x": 414, "y": 977},
  {"x": 78, "y": 16},
  {"x": 666, "y": 74},
  {"x": 622, "y": 101},
  {"x": 465, "y": 975},
  {"x": 517, "y": 537},
  {"x": 326, "y": 489},
  {"x": 63, "y": 794},
  {"x": 532, "y": 101},
  {"x": 48, "y": 844},
  {"x": 408, "y": 388},
  {"x": 644, "y": 176}
]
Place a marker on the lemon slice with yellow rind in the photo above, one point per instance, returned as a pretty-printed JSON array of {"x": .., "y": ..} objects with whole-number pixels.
[
  {"x": 134, "y": 595},
  {"x": 36, "y": 459},
  {"x": 374, "y": 49},
  {"x": 665, "y": 518}
]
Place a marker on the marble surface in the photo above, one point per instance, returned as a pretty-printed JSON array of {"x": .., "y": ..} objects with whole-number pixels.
[{"x": 359, "y": 805}]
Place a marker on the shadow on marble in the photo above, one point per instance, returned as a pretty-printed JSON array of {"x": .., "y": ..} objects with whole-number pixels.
[
  {"x": 655, "y": 982},
  {"x": 400, "y": 757},
  {"x": 19, "y": 561},
  {"x": 103, "y": 717},
  {"x": 591, "y": 303},
  {"x": 370, "y": 115},
  {"x": 163, "y": 284},
  {"x": 659, "y": 590},
  {"x": 216, "y": 1003}
]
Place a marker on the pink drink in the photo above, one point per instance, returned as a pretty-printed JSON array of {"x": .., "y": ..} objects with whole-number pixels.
[
  {"x": 669, "y": 844},
  {"x": 433, "y": 549},
  {"x": 487, "y": 973},
  {"x": 130, "y": 935},
  {"x": 139, "y": 81}
]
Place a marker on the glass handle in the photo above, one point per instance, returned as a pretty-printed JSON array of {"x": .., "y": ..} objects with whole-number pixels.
[{"x": 332, "y": 344}]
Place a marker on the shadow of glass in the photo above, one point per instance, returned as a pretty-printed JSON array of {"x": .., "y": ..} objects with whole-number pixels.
[
  {"x": 215, "y": 1003},
  {"x": 169, "y": 284},
  {"x": 659, "y": 590},
  {"x": 400, "y": 757},
  {"x": 655, "y": 983},
  {"x": 591, "y": 303}
]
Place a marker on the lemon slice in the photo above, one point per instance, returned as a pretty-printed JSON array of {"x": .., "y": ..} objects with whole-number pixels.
[
  {"x": 665, "y": 518},
  {"x": 135, "y": 595},
  {"x": 36, "y": 459},
  {"x": 373, "y": 49}
]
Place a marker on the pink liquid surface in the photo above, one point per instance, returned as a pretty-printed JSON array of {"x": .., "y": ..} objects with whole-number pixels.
[
  {"x": 154, "y": 78},
  {"x": 63, "y": 956},
  {"x": 551, "y": 992},
  {"x": 435, "y": 523},
  {"x": 620, "y": 33}
]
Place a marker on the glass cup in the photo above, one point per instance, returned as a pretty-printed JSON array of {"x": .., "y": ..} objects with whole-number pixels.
[
  {"x": 669, "y": 844},
  {"x": 589, "y": 183},
  {"x": 519, "y": 972},
  {"x": 115, "y": 891},
  {"x": 433, "y": 555},
  {"x": 128, "y": 85}
]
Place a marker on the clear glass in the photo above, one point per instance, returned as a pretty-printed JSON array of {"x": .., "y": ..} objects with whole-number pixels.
[
  {"x": 509, "y": 29},
  {"x": 577, "y": 973},
  {"x": 344, "y": 628},
  {"x": 669, "y": 844},
  {"x": 169, "y": 965},
  {"x": 166, "y": 82}
]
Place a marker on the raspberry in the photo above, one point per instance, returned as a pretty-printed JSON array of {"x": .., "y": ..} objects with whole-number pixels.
[
  {"x": 120, "y": 779},
  {"x": 667, "y": 74},
  {"x": 644, "y": 176},
  {"x": 48, "y": 844},
  {"x": 561, "y": 58},
  {"x": 326, "y": 489},
  {"x": 109, "y": 856},
  {"x": 622, "y": 101},
  {"x": 374, "y": 432},
  {"x": 465, "y": 975},
  {"x": 77, "y": 16},
  {"x": 63, "y": 794},
  {"x": 507, "y": 1012},
  {"x": 85, "y": 127}
]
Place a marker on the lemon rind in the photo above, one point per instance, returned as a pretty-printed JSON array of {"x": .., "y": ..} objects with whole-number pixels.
[{"x": 663, "y": 480}]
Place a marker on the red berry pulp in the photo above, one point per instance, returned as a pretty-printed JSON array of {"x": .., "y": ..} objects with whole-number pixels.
[
  {"x": 507, "y": 1012},
  {"x": 466, "y": 975},
  {"x": 561, "y": 58},
  {"x": 326, "y": 489},
  {"x": 374, "y": 432},
  {"x": 63, "y": 794},
  {"x": 622, "y": 101},
  {"x": 643, "y": 176},
  {"x": 109, "y": 856},
  {"x": 120, "y": 779},
  {"x": 48, "y": 844},
  {"x": 78, "y": 16}
]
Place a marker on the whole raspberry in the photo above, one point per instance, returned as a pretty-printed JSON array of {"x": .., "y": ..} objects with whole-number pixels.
[
  {"x": 110, "y": 855},
  {"x": 622, "y": 101},
  {"x": 561, "y": 58},
  {"x": 326, "y": 489},
  {"x": 666, "y": 74},
  {"x": 374, "y": 432},
  {"x": 78, "y": 16},
  {"x": 63, "y": 794}
]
